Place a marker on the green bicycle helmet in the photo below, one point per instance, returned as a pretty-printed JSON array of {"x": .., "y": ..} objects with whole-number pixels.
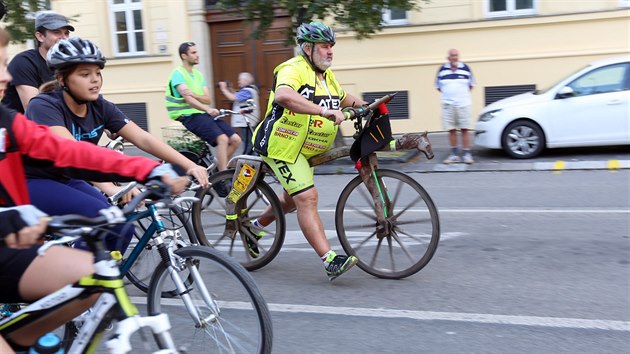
[{"x": 315, "y": 32}]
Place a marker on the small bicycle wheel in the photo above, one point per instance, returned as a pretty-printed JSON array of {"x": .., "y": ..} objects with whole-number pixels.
[
  {"x": 143, "y": 267},
  {"x": 413, "y": 221},
  {"x": 226, "y": 312},
  {"x": 208, "y": 218}
]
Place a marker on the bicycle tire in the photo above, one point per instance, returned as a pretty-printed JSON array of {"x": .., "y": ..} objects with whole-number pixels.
[
  {"x": 241, "y": 321},
  {"x": 413, "y": 218},
  {"x": 142, "y": 269},
  {"x": 208, "y": 218}
]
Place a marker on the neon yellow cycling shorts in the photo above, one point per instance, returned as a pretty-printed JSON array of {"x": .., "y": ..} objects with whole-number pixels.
[{"x": 295, "y": 177}]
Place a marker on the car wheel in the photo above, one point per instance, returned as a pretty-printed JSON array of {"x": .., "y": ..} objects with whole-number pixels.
[{"x": 523, "y": 139}]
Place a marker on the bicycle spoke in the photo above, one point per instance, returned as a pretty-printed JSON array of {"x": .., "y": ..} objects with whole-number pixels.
[
  {"x": 398, "y": 214},
  {"x": 402, "y": 246},
  {"x": 363, "y": 211},
  {"x": 378, "y": 247},
  {"x": 391, "y": 253},
  {"x": 365, "y": 241}
]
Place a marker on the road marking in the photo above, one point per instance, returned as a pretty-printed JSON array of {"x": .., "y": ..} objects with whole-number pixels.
[
  {"x": 613, "y": 164},
  {"x": 507, "y": 210},
  {"x": 537, "y": 321},
  {"x": 558, "y": 165}
]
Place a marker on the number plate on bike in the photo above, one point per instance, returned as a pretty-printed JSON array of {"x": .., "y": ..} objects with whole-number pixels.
[{"x": 244, "y": 178}]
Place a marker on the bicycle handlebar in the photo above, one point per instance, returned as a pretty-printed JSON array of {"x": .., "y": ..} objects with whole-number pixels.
[
  {"x": 155, "y": 190},
  {"x": 114, "y": 198},
  {"x": 351, "y": 112}
]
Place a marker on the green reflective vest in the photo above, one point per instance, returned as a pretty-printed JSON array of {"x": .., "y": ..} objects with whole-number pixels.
[{"x": 177, "y": 106}]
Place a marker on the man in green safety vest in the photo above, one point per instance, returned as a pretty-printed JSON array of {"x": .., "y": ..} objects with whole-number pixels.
[{"x": 188, "y": 102}]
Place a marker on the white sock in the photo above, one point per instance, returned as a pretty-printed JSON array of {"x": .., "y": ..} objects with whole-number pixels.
[{"x": 328, "y": 257}]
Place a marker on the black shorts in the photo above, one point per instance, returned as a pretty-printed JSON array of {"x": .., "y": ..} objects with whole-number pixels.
[{"x": 13, "y": 264}]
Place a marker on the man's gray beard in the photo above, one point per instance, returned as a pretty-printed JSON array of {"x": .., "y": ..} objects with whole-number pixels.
[{"x": 322, "y": 65}]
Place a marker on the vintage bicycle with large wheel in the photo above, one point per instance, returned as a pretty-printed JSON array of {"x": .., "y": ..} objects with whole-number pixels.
[{"x": 383, "y": 216}]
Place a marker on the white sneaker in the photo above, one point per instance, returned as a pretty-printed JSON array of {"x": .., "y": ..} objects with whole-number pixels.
[
  {"x": 452, "y": 159},
  {"x": 468, "y": 158}
]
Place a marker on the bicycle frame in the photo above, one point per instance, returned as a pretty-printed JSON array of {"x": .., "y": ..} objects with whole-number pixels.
[
  {"x": 366, "y": 168},
  {"x": 156, "y": 227}
]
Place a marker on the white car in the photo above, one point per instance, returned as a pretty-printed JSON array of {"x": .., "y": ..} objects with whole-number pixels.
[{"x": 588, "y": 108}]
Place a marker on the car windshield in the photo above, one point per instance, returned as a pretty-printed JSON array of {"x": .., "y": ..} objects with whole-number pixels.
[{"x": 543, "y": 91}]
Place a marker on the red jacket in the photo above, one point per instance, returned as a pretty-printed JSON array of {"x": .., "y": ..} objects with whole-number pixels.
[{"x": 73, "y": 159}]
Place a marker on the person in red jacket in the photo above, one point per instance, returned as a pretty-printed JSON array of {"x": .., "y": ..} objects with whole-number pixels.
[{"x": 24, "y": 276}]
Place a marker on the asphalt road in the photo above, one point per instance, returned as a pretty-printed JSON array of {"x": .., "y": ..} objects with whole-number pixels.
[
  {"x": 528, "y": 262},
  {"x": 531, "y": 260}
]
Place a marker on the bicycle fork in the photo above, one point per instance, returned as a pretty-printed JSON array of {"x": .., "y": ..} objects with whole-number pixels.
[
  {"x": 177, "y": 264},
  {"x": 378, "y": 191}
]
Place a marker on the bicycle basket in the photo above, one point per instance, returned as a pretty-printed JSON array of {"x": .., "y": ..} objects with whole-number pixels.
[
  {"x": 376, "y": 134},
  {"x": 180, "y": 139}
]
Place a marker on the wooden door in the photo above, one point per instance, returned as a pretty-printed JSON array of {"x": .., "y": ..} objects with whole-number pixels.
[{"x": 234, "y": 51}]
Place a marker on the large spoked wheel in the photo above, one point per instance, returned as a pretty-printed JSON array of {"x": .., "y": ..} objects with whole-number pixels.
[
  {"x": 142, "y": 269},
  {"x": 227, "y": 312},
  {"x": 209, "y": 218},
  {"x": 413, "y": 220}
]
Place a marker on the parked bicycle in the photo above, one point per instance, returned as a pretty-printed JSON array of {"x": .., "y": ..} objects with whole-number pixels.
[{"x": 383, "y": 216}]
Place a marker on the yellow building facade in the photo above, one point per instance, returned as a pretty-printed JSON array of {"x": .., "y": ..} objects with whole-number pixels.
[{"x": 535, "y": 46}]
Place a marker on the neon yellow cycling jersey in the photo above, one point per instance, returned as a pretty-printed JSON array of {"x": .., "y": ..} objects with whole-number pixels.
[{"x": 283, "y": 134}]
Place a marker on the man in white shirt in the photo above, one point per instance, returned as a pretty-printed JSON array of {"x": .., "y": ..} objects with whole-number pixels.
[{"x": 455, "y": 81}]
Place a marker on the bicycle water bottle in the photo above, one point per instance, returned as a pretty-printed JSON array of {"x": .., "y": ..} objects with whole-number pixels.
[{"x": 47, "y": 344}]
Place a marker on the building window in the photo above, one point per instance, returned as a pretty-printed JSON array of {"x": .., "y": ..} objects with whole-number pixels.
[
  {"x": 398, "y": 107},
  {"x": 624, "y": 3},
  {"x": 128, "y": 31},
  {"x": 394, "y": 17},
  {"x": 507, "y": 8},
  {"x": 495, "y": 93},
  {"x": 137, "y": 112}
]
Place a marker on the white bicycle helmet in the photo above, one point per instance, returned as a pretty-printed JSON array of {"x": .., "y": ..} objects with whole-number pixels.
[{"x": 74, "y": 51}]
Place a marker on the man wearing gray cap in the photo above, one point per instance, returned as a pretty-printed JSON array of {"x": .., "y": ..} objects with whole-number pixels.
[{"x": 29, "y": 69}]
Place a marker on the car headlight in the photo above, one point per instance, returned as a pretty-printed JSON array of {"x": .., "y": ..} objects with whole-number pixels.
[{"x": 489, "y": 115}]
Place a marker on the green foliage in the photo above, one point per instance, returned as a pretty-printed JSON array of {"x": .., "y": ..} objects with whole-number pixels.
[
  {"x": 20, "y": 18},
  {"x": 361, "y": 16},
  {"x": 180, "y": 138}
]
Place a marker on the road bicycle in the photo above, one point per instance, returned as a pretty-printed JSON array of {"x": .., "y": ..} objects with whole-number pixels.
[
  {"x": 383, "y": 216},
  {"x": 219, "y": 302},
  {"x": 113, "y": 304},
  {"x": 204, "y": 291},
  {"x": 228, "y": 312}
]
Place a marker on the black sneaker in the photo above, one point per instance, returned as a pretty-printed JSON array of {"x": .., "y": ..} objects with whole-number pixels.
[
  {"x": 339, "y": 265},
  {"x": 257, "y": 233},
  {"x": 221, "y": 188}
]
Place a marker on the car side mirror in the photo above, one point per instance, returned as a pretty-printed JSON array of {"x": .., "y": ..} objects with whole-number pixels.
[{"x": 565, "y": 92}]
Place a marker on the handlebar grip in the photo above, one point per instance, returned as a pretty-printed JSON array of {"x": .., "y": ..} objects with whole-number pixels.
[{"x": 114, "y": 198}]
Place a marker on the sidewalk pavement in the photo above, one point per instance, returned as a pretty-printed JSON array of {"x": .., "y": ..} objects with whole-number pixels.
[{"x": 604, "y": 158}]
